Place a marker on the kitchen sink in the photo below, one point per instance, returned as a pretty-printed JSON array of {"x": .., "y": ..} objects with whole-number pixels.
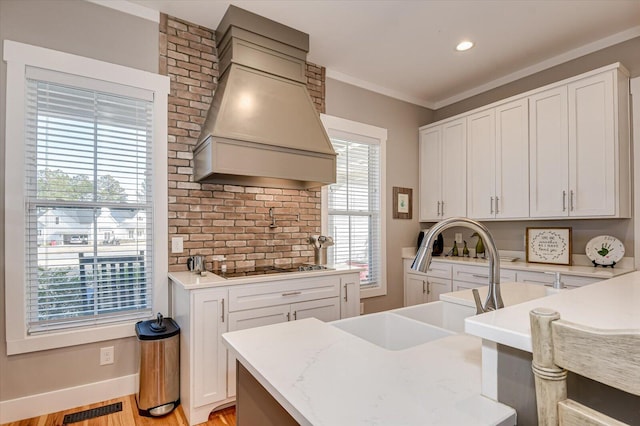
[
  {"x": 449, "y": 316},
  {"x": 391, "y": 331}
]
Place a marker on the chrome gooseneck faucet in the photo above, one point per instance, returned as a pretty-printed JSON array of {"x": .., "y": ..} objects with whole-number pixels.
[{"x": 423, "y": 259}]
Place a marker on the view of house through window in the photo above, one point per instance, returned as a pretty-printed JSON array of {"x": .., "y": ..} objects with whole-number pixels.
[
  {"x": 88, "y": 239},
  {"x": 353, "y": 214}
]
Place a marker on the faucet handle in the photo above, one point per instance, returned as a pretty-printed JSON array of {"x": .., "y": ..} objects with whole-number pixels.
[{"x": 476, "y": 298}]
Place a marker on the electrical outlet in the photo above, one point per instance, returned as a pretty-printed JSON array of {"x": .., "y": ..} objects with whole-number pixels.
[
  {"x": 106, "y": 355},
  {"x": 177, "y": 245},
  {"x": 459, "y": 237}
]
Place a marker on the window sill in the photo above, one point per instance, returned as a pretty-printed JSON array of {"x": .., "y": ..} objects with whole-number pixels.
[
  {"x": 70, "y": 338},
  {"x": 373, "y": 291}
]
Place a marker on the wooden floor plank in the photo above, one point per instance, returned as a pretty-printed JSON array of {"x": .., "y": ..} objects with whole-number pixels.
[{"x": 127, "y": 417}]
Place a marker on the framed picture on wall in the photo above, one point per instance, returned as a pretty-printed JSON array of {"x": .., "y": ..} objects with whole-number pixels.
[
  {"x": 402, "y": 203},
  {"x": 549, "y": 245}
]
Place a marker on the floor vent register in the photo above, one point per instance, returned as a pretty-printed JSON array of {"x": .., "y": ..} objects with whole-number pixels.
[{"x": 92, "y": 413}]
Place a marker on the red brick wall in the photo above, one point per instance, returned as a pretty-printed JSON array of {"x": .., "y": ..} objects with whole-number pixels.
[{"x": 223, "y": 219}]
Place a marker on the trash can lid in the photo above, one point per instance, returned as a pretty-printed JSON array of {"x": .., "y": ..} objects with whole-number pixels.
[{"x": 160, "y": 328}]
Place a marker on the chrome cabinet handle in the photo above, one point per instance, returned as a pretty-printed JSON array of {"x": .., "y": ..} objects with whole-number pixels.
[
  {"x": 288, "y": 316},
  {"x": 428, "y": 287},
  {"x": 423, "y": 290},
  {"x": 491, "y": 205},
  {"x": 295, "y": 315},
  {"x": 292, "y": 293},
  {"x": 571, "y": 200},
  {"x": 442, "y": 202},
  {"x": 497, "y": 211},
  {"x": 222, "y": 314},
  {"x": 346, "y": 293},
  {"x": 486, "y": 277},
  {"x": 564, "y": 201},
  {"x": 438, "y": 214}
]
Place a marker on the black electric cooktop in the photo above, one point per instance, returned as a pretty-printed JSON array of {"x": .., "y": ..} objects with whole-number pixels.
[{"x": 263, "y": 270}]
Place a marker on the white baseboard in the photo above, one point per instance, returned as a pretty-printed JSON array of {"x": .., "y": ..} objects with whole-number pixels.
[{"x": 63, "y": 399}]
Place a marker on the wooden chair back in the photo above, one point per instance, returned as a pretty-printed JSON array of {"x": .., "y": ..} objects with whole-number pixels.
[{"x": 611, "y": 357}]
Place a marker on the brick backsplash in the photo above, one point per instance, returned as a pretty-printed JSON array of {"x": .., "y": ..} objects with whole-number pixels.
[{"x": 229, "y": 220}]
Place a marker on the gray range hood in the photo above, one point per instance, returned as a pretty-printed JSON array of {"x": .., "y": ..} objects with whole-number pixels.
[{"x": 262, "y": 128}]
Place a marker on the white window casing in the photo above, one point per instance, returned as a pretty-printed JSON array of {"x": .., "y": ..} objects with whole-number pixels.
[
  {"x": 27, "y": 63},
  {"x": 356, "y": 208}
]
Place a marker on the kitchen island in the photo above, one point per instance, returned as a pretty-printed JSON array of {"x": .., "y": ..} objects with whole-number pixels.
[
  {"x": 322, "y": 375},
  {"x": 506, "y": 334}
]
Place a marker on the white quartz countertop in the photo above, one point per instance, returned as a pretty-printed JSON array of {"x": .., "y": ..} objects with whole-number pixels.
[
  {"x": 323, "y": 375},
  {"x": 192, "y": 280},
  {"x": 610, "y": 304},
  {"x": 511, "y": 293},
  {"x": 585, "y": 270}
]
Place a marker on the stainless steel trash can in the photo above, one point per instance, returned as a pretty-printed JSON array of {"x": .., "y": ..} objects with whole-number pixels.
[{"x": 159, "y": 391}]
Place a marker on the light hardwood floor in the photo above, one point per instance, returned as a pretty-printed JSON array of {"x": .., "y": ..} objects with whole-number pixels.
[{"x": 128, "y": 417}]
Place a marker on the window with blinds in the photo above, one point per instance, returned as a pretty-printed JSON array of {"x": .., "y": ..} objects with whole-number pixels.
[
  {"x": 88, "y": 202},
  {"x": 353, "y": 208}
]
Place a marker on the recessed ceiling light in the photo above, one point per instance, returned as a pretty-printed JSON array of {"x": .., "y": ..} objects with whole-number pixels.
[{"x": 464, "y": 45}]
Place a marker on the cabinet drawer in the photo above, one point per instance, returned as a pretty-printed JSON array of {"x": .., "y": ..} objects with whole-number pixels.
[
  {"x": 439, "y": 270},
  {"x": 480, "y": 274},
  {"x": 436, "y": 269},
  {"x": 274, "y": 293},
  {"x": 536, "y": 278},
  {"x": 573, "y": 281},
  {"x": 542, "y": 278}
]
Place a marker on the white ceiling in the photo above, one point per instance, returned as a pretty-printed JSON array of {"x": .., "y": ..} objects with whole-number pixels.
[{"x": 405, "y": 48}]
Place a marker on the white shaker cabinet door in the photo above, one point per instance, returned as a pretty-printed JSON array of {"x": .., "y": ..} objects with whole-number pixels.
[
  {"x": 243, "y": 320},
  {"x": 481, "y": 154},
  {"x": 592, "y": 147},
  {"x": 549, "y": 153},
  {"x": 436, "y": 287},
  {"x": 454, "y": 168},
  {"x": 512, "y": 160},
  {"x": 350, "y": 295},
  {"x": 322, "y": 309},
  {"x": 430, "y": 174},
  {"x": 415, "y": 289},
  {"x": 209, "y": 352}
]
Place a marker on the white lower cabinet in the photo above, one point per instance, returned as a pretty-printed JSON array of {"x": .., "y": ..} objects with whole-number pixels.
[
  {"x": 422, "y": 288},
  {"x": 201, "y": 315},
  {"x": 350, "y": 297},
  {"x": 207, "y": 373},
  {"x": 322, "y": 309}
]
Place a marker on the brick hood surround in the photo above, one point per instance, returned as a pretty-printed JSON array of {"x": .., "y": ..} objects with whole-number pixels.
[{"x": 262, "y": 128}]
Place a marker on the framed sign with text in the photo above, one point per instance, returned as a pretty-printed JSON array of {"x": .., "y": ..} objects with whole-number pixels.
[{"x": 549, "y": 245}]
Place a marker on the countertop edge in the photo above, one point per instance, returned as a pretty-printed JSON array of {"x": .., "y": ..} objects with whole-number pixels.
[{"x": 190, "y": 281}]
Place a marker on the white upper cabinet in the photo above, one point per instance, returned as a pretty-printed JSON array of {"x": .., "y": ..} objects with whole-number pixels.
[
  {"x": 579, "y": 148},
  {"x": 498, "y": 162},
  {"x": 443, "y": 170},
  {"x": 549, "y": 153},
  {"x": 560, "y": 151}
]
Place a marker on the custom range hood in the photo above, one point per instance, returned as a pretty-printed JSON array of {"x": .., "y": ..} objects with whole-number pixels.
[{"x": 262, "y": 128}]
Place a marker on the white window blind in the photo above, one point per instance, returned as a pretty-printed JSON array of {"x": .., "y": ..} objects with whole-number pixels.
[
  {"x": 88, "y": 204},
  {"x": 353, "y": 208}
]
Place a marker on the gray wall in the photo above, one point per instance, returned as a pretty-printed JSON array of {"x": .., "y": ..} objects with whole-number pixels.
[
  {"x": 510, "y": 235},
  {"x": 93, "y": 31},
  {"x": 402, "y": 120}
]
